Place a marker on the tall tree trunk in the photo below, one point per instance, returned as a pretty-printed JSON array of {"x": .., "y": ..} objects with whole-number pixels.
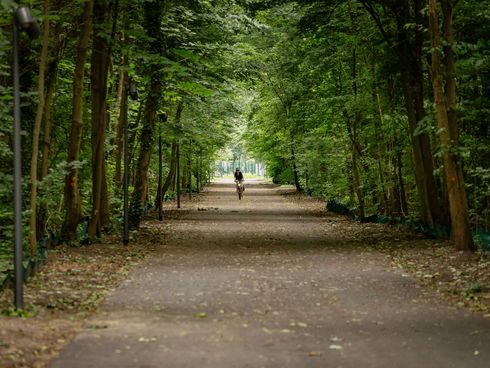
[
  {"x": 410, "y": 56},
  {"x": 37, "y": 128},
  {"x": 72, "y": 194},
  {"x": 355, "y": 149},
  {"x": 51, "y": 82},
  {"x": 153, "y": 12},
  {"x": 295, "y": 170},
  {"x": 357, "y": 182},
  {"x": 171, "y": 173},
  {"x": 141, "y": 176},
  {"x": 99, "y": 69},
  {"x": 447, "y": 121},
  {"x": 122, "y": 103},
  {"x": 120, "y": 126},
  {"x": 132, "y": 141},
  {"x": 409, "y": 52},
  {"x": 381, "y": 150}
]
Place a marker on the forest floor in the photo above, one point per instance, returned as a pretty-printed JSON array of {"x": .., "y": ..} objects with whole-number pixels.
[{"x": 269, "y": 281}]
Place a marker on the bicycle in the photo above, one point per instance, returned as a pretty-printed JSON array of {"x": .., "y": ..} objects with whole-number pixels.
[{"x": 239, "y": 188}]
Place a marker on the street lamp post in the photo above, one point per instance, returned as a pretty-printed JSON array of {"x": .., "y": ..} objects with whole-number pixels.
[
  {"x": 177, "y": 173},
  {"x": 22, "y": 21},
  {"x": 190, "y": 168},
  {"x": 132, "y": 91}
]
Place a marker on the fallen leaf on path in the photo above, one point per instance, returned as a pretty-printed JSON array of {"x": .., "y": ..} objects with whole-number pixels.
[{"x": 315, "y": 353}]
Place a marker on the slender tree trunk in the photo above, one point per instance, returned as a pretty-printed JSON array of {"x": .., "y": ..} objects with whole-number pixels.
[
  {"x": 50, "y": 91},
  {"x": 295, "y": 170},
  {"x": 153, "y": 12},
  {"x": 132, "y": 142},
  {"x": 447, "y": 121},
  {"x": 72, "y": 194},
  {"x": 355, "y": 149},
  {"x": 199, "y": 172},
  {"x": 120, "y": 126},
  {"x": 99, "y": 117},
  {"x": 141, "y": 179},
  {"x": 123, "y": 78},
  {"x": 51, "y": 82},
  {"x": 381, "y": 153},
  {"x": 171, "y": 173},
  {"x": 356, "y": 178},
  {"x": 37, "y": 128}
]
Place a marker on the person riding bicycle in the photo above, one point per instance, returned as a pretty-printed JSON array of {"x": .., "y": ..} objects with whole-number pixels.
[{"x": 239, "y": 177}]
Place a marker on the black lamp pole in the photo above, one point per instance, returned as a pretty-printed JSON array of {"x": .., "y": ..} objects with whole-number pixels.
[
  {"x": 178, "y": 174},
  {"x": 160, "y": 164},
  {"x": 18, "y": 254},
  {"x": 22, "y": 21},
  {"x": 190, "y": 169}
]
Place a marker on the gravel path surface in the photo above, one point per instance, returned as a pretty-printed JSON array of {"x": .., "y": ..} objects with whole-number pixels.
[{"x": 265, "y": 282}]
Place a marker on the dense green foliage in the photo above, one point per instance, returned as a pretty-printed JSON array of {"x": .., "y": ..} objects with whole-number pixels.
[
  {"x": 311, "y": 88},
  {"x": 196, "y": 71},
  {"x": 327, "y": 83}
]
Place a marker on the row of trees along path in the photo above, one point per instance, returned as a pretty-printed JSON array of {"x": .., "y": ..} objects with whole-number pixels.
[
  {"x": 354, "y": 101},
  {"x": 361, "y": 105},
  {"x": 269, "y": 282}
]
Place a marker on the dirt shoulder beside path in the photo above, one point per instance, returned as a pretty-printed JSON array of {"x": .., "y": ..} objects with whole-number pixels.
[{"x": 241, "y": 274}]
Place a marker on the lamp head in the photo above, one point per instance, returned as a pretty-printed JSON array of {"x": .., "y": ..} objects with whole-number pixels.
[
  {"x": 26, "y": 22},
  {"x": 133, "y": 90},
  {"x": 162, "y": 116}
]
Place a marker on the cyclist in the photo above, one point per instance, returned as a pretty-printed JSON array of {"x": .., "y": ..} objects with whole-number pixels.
[{"x": 239, "y": 178}]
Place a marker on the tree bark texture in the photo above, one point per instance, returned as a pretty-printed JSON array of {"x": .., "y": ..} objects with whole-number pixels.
[
  {"x": 153, "y": 12},
  {"x": 99, "y": 118},
  {"x": 51, "y": 82},
  {"x": 122, "y": 103},
  {"x": 146, "y": 142},
  {"x": 37, "y": 129},
  {"x": 119, "y": 131},
  {"x": 72, "y": 194},
  {"x": 444, "y": 101}
]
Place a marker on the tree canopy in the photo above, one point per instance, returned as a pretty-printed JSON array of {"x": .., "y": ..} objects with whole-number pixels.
[{"x": 380, "y": 107}]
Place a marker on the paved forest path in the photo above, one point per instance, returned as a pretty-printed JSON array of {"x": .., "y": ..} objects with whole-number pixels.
[{"x": 264, "y": 282}]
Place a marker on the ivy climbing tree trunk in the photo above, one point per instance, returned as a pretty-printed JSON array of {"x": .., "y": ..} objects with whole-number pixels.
[
  {"x": 72, "y": 194},
  {"x": 445, "y": 101},
  {"x": 99, "y": 67}
]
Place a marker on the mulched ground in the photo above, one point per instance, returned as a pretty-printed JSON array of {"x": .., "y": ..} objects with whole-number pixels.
[{"x": 75, "y": 280}]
